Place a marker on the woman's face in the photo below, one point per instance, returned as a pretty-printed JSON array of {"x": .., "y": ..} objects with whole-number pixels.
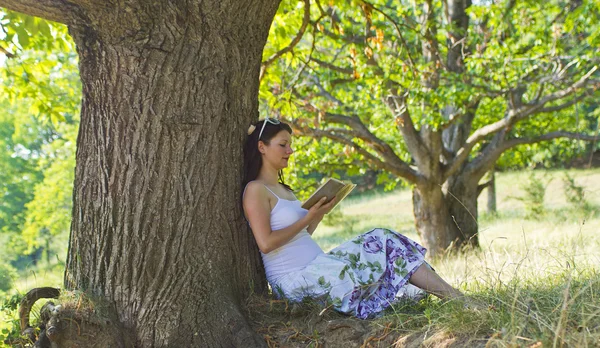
[{"x": 279, "y": 150}]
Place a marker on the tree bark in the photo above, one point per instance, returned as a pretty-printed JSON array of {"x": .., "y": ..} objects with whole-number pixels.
[
  {"x": 157, "y": 228},
  {"x": 491, "y": 193},
  {"x": 446, "y": 216},
  {"x": 432, "y": 220},
  {"x": 461, "y": 194}
]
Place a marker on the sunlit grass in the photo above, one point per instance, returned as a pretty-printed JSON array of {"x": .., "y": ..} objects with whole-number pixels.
[
  {"x": 394, "y": 210},
  {"x": 537, "y": 279}
]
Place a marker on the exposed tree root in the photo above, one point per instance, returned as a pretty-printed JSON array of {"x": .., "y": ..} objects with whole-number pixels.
[{"x": 76, "y": 321}]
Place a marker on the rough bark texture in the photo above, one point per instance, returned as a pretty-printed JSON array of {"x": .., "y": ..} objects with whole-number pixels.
[
  {"x": 446, "y": 215},
  {"x": 169, "y": 90},
  {"x": 461, "y": 195},
  {"x": 432, "y": 219}
]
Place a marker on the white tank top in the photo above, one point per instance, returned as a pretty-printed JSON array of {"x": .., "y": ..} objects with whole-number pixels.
[{"x": 295, "y": 254}]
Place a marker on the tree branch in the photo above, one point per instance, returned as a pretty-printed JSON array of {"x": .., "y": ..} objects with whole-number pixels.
[
  {"x": 330, "y": 66},
  {"x": 430, "y": 46},
  {"x": 61, "y": 11},
  {"x": 583, "y": 81},
  {"x": 454, "y": 117},
  {"x": 563, "y": 105},
  {"x": 400, "y": 36},
  {"x": 6, "y": 53},
  {"x": 397, "y": 104},
  {"x": 481, "y": 187},
  {"x": 362, "y": 132},
  {"x": 390, "y": 162},
  {"x": 487, "y": 160},
  {"x": 515, "y": 115},
  {"x": 545, "y": 137},
  {"x": 295, "y": 41},
  {"x": 353, "y": 39},
  {"x": 323, "y": 92}
]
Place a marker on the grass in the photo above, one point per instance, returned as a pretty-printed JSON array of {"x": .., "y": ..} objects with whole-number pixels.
[{"x": 538, "y": 279}]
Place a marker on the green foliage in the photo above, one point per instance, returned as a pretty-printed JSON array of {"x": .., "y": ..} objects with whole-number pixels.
[
  {"x": 7, "y": 276},
  {"x": 575, "y": 195},
  {"x": 42, "y": 56},
  {"x": 50, "y": 208},
  {"x": 10, "y": 329},
  {"x": 40, "y": 95},
  {"x": 533, "y": 199},
  {"x": 340, "y": 220},
  {"x": 352, "y": 52}
]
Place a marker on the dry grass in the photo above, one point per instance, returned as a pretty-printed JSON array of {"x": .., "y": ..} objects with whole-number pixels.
[{"x": 539, "y": 278}]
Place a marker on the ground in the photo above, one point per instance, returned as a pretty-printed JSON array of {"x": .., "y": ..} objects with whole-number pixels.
[
  {"x": 287, "y": 325},
  {"x": 537, "y": 277}
]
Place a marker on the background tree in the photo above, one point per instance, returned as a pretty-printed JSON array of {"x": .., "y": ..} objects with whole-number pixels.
[
  {"x": 168, "y": 94},
  {"x": 40, "y": 95},
  {"x": 434, "y": 92}
]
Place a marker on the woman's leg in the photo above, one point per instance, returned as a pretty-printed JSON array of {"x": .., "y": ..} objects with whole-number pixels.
[{"x": 426, "y": 279}]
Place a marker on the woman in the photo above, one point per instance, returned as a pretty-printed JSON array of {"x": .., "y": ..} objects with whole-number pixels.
[{"x": 361, "y": 277}]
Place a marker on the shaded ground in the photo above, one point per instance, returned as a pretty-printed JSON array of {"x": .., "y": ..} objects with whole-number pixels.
[{"x": 308, "y": 325}]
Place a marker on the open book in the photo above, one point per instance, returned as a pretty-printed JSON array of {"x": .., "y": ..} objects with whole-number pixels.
[{"x": 330, "y": 188}]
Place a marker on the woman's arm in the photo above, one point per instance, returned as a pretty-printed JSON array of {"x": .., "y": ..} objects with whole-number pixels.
[
  {"x": 315, "y": 222},
  {"x": 258, "y": 212}
]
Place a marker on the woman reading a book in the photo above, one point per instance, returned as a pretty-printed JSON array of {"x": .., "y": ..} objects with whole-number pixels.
[{"x": 361, "y": 277}]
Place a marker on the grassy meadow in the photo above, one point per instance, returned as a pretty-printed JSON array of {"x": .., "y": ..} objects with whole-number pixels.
[{"x": 537, "y": 278}]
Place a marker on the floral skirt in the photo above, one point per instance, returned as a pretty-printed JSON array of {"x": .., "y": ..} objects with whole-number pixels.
[{"x": 361, "y": 277}]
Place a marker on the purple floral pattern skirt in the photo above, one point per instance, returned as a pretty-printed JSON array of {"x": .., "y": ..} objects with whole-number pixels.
[{"x": 361, "y": 277}]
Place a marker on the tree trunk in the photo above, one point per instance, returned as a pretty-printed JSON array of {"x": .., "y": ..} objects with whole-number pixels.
[
  {"x": 491, "y": 193},
  {"x": 461, "y": 196},
  {"x": 446, "y": 218},
  {"x": 157, "y": 222},
  {"x": 432, "y": 219}
]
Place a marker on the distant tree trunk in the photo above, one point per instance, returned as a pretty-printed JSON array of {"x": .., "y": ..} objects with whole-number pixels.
[
  {"x": 461, "y": 196},
  {"x": 169, "y": 90},
  {"x": 491, "y": 193},
  {"x": 432, "y": 219},
  {"x": 446, "y": 217},
  {"x": 448, "y": 156}
]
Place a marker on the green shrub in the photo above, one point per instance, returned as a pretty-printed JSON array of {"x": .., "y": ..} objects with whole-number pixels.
[
  {"x": 7, "y": 275},
  {"x": 338, "y": 219},
  {"x": 575, "y": 194},
  {"x": 535, "y": 190},
  {"x": 10, "y": 328}
]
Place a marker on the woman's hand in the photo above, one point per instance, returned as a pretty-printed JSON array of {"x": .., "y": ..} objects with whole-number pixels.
[{"x": 317, "y": 211}]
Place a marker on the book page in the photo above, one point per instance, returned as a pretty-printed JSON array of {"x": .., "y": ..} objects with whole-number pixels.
[
  {"x": 344, "y": 192},
  {"x": 329, "y": 189}
]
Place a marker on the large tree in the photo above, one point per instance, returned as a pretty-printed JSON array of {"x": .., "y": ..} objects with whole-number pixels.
[
  {"x": 433, "y": 92},
  {"x": 169, "y": 89}
]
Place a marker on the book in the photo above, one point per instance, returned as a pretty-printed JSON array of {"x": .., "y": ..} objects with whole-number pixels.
[{"x": 330, "y": 188}]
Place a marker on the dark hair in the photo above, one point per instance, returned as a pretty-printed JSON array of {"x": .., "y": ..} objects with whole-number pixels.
[{"x": 253, "y": 158}]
